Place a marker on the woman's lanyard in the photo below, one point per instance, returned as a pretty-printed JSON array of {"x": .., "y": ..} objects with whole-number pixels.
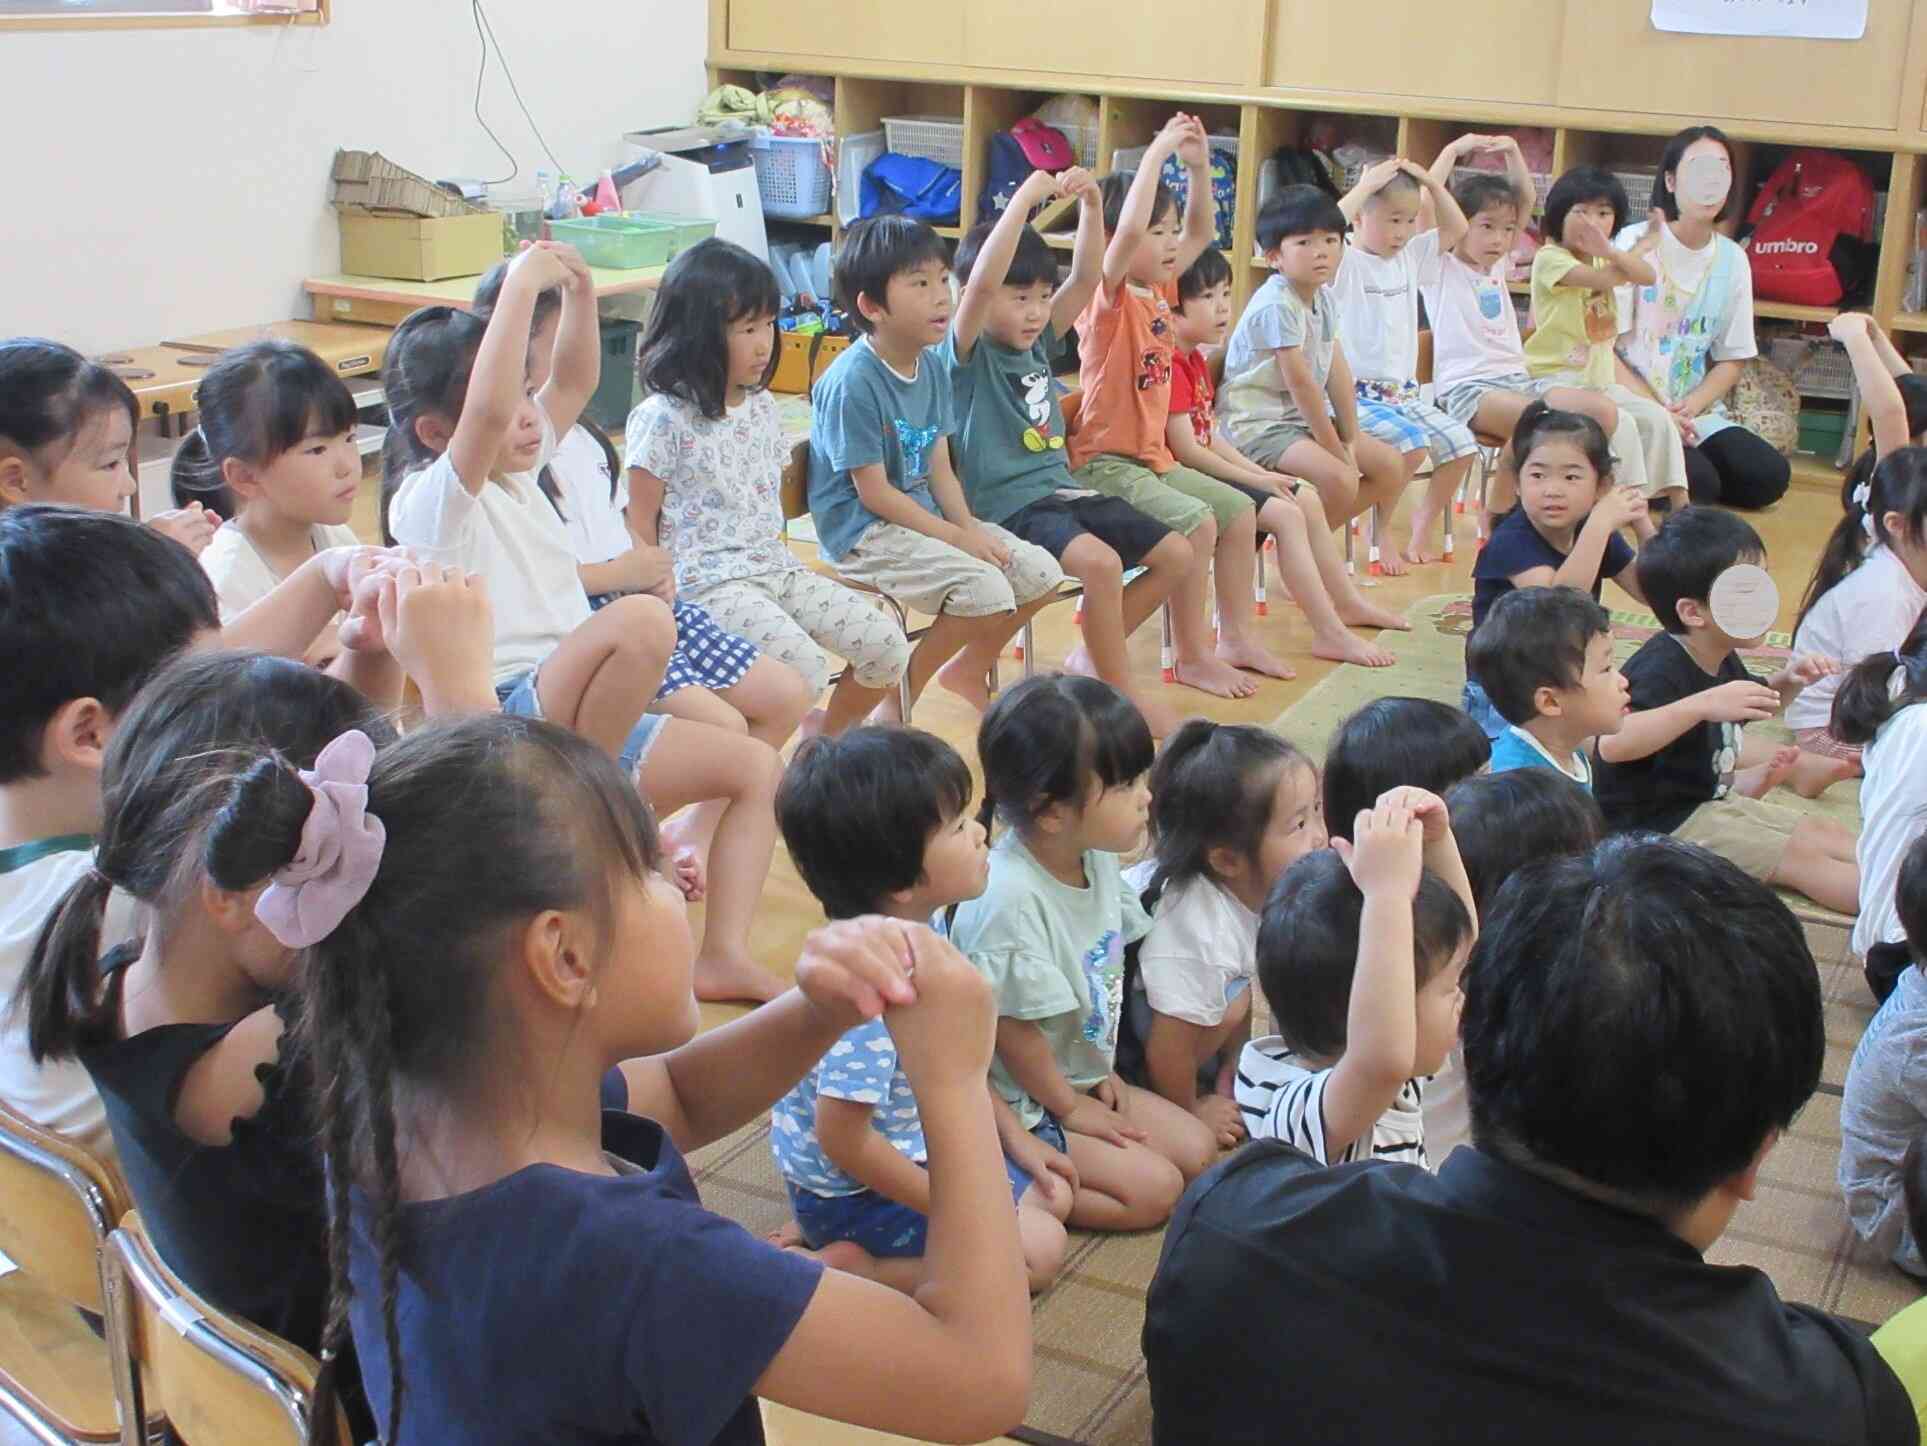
[{"x": 20, "y": 855}]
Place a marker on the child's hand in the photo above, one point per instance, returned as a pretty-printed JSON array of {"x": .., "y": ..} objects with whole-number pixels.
[
  {"x": 1092, "y": 1116},
  {"x": 1194, "y": 150},
  {"x": 1740, "y": 702},
  {"x": 1222, "y": 1116},
  {"x": 1849, "y": 324},
  {"x": 946, "y": 1037},
  {"x": 1386, "y": 853},
  {"x": 854, "y": 969},
  {"x": 1038, "y": 187},
  {"x": 982, "y": 546},
  {"x": 1689, "y": 432},
  {"x": 1166, "y": 141},
  {"x": 1587, "y": 237},
  {"x": 1050, "y": 1170},
  {"x": 541, "y": 266},
  {"x": 1810, "y": 668},
  {"x": 580, "y": 278},
  {"x": 1649, "y": 239},
  {"x": 1082, "y": 184},
  {"x": 193, "y": 526},
  {"x": 1619, "y": 507},
  {"x": 1435, "y": 820},
  {"x": 1378, "y": 175},
  {"x": 437, "y": 622},
  {"x": 354, "y": 575},
  {"x": 646, "y": 569}
]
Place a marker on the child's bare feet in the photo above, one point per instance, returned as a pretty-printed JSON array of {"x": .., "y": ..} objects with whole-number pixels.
[
  {"x": 1761, "y": 779},
  {"x": 969, "y": 683},
  {"x": 688, "y": 874},
  {"x": 1364, "y": 615},
  {"x": 1208, "y": 675},
  {"x": 728, "y": 978},
  {"x": 1391, "y": 562},
  {"x": 1243, "y": 653},
  {"x": 1422, "y": 526},
  {"x": 1344, "y": 647},
  {"x": 1814, "y": 773}
]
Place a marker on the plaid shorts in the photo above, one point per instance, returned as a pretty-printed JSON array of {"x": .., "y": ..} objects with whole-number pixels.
[
  {"x": 1416, "y": 426},
  {"x": 705, "y": 656}
]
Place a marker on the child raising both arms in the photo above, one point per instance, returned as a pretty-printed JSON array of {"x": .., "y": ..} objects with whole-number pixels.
[
  {"x": 468, "y": 438},
  {"x": 1065, "y": 760},
  {"x": 1291, "y": 512}
]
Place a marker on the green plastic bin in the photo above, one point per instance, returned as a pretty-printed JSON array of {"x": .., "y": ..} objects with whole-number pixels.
[
  {"x": 689, "y": 229},
  {"x": 617, "y": 393},
  {"x": 1821, "y": 432},
  {"x": 616, "y": 242}
]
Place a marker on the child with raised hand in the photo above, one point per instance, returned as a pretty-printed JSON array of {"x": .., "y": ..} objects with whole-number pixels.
[
  {"x": 1291, "y": 512},
  {"x": 1574, "y": 278},
  {"x": 705, "y": 453},
  {"x": 877, "y": 821},
  {"x": 1543, "y": 661},
  {"x": 67, "y": 429},
  {"x": 1232, "y": 807},
  {"x": 1065, "y": 760},
  {"x": 1397, "y": 742},
  {"x": 1405, "y": 221},
  {"x": 1119, "y": 443},
  {"x": 468, "y": 438},
  {"x": 1870, "y": 582},
  {"x": 889, "y": 509},
  {"x": 495, "y": 973},
  {"x": 1359, "y": 954},
  {"x": 1010, "y": 321},
  {"x": 1289, "y": 401},
  {"x": 1679, "y": 763}
]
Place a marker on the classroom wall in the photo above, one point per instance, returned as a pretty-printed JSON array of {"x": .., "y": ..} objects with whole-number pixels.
[{"x": 166, "y": 182}]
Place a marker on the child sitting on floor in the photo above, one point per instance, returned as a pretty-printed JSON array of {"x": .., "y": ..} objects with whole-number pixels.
[
  {"x": 877, "y": 822},
  {"x": 1232, "y": 807},
  {"x": 1359, "y": 955},
  {"x": 1010, "y": 322},
  {"x": 1291, "y": 512},
  {"x": 888, "y": 507},
  {"x": 1394, "y": 742},
  {"x": 1544, "y": 658},
  {"x": 1392, "y": 254},
  {"x": 1679, "y": 765}
]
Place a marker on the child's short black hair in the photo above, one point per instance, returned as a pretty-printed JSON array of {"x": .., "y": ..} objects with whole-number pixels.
[
  {"x": 1031, "y": 264},
  {"x": 1578, "y": 186},
  {"x": 1209, "y": 270},
  {"x": 1116, "y": 186},
  {"x": 1533, "y": 638},
  {"x": 1048, "y": 740},
  {"x": 1691, "y": 550},
  {"x": 92, "y": 604},
  {"x": 857, "y": 812},
  {"x": 1298, "y": 211},
  {"x": 1308, "y": 947},
  {"x": 1504, "y": 821},
  {"x": 1477, "y": 191},
  {"x": 1403, "y": 184},
  {"x": 1397, "y": 742},
  {"x": 1643, "y": 1017},
  {"x": 876, "y": 249}
]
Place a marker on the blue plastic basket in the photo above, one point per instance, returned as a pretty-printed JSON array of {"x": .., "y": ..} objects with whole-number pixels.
[{"x": 791, "y": 175}]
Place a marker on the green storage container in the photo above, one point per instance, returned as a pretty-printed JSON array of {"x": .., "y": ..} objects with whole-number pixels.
[
  {"x": 689, "y": 229},
  {"x": 616, "y": 394},
  {"x": 616, "y": 242},
  {"x": 1821, "y": 432}
]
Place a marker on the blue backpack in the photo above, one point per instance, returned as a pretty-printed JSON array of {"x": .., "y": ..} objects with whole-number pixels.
[
  {"x": 898, "y": 185},
  {"x": 1224, "y": 188}
]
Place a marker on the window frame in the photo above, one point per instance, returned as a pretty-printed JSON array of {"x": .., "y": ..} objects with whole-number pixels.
[{"x": 186, "y": 19}]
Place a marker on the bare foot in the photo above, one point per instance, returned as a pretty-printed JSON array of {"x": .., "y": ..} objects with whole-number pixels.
[
  {"x": 724, "y": 978},
  {"x": 689, "y": 875},
  {"x": 1391, "y": 562},
  {"x": 1208, "y": 675},
  {"x": 685, "y": 839},
  {"x": 1243, "y": 653},
  {"x": 786, "y": 1237},
  {"x": 968, "y": 683},
  {"x": 1365, "y": 615},
  {"x": 1814, "y": 773},
  {"x": 1415, "y": 552},
  {"x": 1761, "y": 779},
  {"x": 1345, "y": 648}
]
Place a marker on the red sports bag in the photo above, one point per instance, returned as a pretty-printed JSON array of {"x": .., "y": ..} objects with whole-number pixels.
[{"x": 1812, "y": 201}]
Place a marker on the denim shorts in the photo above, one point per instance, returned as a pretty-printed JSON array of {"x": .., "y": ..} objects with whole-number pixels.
[
  {"x": 877, "y": 1223},
  {"x": 1479, "y": 708},
  {"x": 518, "y": 697}
]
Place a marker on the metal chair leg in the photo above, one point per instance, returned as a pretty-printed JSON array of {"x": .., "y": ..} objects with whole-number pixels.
[{"x": 1168, "y": 652}]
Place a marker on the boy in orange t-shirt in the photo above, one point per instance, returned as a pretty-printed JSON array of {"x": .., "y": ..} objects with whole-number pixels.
[{"x": 1118, "y": 445}]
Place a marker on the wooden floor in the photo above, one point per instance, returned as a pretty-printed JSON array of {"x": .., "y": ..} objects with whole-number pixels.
[{"x": 1793, "y": 531}]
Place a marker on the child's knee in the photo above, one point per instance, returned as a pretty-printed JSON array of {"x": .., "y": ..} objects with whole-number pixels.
[
  {"x": 886, "y": 663},
  {"x": 1282, "y": 517},
  {"x": 644, "y": 625},
  {"x": 794, "y": 691},
  {"x": 1093, "y": 562},
  {"x": 1241, "y": 528},
  {"x": 1311, "y": 507},
  {"x": 1204, "y": 537},
  {"x": 1044, "y": 1241},
  {"x": 1174, "y": 554},
  {"x": 1194, "y": 1151},
  {"x": 1160, "y": 1185}
]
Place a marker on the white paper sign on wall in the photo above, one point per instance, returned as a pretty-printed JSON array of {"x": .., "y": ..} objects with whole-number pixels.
[{"x": 1779, "y": 19}]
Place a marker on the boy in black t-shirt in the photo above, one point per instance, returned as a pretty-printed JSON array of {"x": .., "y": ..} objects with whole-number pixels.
[{"x": 1680, "y": 764}]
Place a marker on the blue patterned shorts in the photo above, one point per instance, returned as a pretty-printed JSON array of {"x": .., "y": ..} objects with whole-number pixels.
[{"x": 877, "y": 1223}]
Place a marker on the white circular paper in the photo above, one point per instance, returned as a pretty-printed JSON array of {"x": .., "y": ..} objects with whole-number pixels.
[
  {"x": 1705, "y": 181},
  {"x": 1744, "y": 601}
]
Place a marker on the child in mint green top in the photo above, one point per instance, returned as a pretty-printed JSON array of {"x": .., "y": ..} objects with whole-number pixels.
[{"x": 1065, "y": 762}]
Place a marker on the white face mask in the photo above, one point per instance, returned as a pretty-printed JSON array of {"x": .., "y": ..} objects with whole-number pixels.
[
  {"x": 1704, "y": 180},
  {"x": 1744, "y": 601}
]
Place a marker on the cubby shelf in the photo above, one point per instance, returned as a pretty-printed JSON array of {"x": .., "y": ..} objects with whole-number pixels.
[
  {"x": 1915, "y": 321},
  {"x": 1785, "y": 311}
]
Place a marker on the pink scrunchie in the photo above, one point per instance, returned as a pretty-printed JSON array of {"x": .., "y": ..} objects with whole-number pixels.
[{"x": 340, "y": 849}]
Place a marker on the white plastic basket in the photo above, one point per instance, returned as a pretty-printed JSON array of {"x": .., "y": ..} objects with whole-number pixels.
[
  {"x": 853, "y": 157},
  {"x": 1639, "y": 192},
  {"x": 1541, "y": 184},
  {"x": 934, "y": 137},
  {"x": 1083, "y": 141},
  {"x": 791, "y": 175},
  {"x": 1819, "y": 367}
]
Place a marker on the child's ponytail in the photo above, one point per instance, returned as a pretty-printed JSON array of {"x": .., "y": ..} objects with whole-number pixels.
[
  {"x": 1866, "y": 699},
  {"x": 1897, "y": 484},
  {"x": 193, "y": 476},
  {"x": 1539, "y": 421},
  {"x": 1051, "y": 738},
  {"x": 426, "y": 374},
  {"x": 1212, "y": 787},
  {"x": 59, "y": 994}
]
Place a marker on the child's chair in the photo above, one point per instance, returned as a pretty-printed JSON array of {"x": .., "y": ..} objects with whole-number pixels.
[
  {"x": 1490, "y": 445},
  {"x": 214, "y": 1379},
  {"x": 59, "y": 1202}
]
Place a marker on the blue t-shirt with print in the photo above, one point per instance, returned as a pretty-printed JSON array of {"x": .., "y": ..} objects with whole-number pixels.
[
  {"x": 1009, "y": 448},
  {"x": 861, "y": 413},
  {"x": 860, "y": 1067}
]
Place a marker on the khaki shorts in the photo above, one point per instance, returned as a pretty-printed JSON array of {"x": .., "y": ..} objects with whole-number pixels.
[
  {"x": 931, "y": 577},
  {"x": 1749, "y": 832},
  {"x": 1180, "y": 498}
]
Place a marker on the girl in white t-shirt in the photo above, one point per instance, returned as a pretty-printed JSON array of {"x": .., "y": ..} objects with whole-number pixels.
[
  {"x": 275, "y": 454},
  {"x": 468, "y": 438},
  {"x": 1232, "y": 807}
]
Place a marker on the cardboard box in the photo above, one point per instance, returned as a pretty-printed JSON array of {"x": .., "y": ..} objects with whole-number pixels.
[{"x": 420, "y": 248}]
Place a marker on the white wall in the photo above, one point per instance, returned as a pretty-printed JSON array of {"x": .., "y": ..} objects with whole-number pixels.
[{"x": 166, "y": 182}]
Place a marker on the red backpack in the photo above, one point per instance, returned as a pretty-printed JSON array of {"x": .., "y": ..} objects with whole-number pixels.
[{"x": 1810, "y": 221}]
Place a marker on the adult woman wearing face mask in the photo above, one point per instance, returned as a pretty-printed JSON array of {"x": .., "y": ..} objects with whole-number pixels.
[{"x": 1683, "y": 339}]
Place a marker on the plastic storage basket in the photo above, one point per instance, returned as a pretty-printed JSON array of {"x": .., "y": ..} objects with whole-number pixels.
[
  {"x": 1541, "y": 185},
  {"x": 791, "y": 175},
  {"x": 688, "y": 230},
  {"x": 934, "y": 137},
  {"x": 616, "y": 242},
  {"x": 1639, "y": 192},
  {"x": 1126, "y": 159},
  {"x": 1083, "y": 141}
]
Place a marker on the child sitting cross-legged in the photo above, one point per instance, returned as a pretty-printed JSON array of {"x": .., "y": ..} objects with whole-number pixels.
[
  {"x": 877, "y": 822},
  {"x": 1544, "y": 656},
  {"x": 1010, "y": 430},
  {"x": 1291, "y": 512},
  {"x": 1679, "y": 765},
  {"x": 1359, "y": 953},
  {"x": 885, "y": 497}
]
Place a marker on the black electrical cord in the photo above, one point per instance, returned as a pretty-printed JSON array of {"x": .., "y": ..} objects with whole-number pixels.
[{"x": 485, "y": 33}]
